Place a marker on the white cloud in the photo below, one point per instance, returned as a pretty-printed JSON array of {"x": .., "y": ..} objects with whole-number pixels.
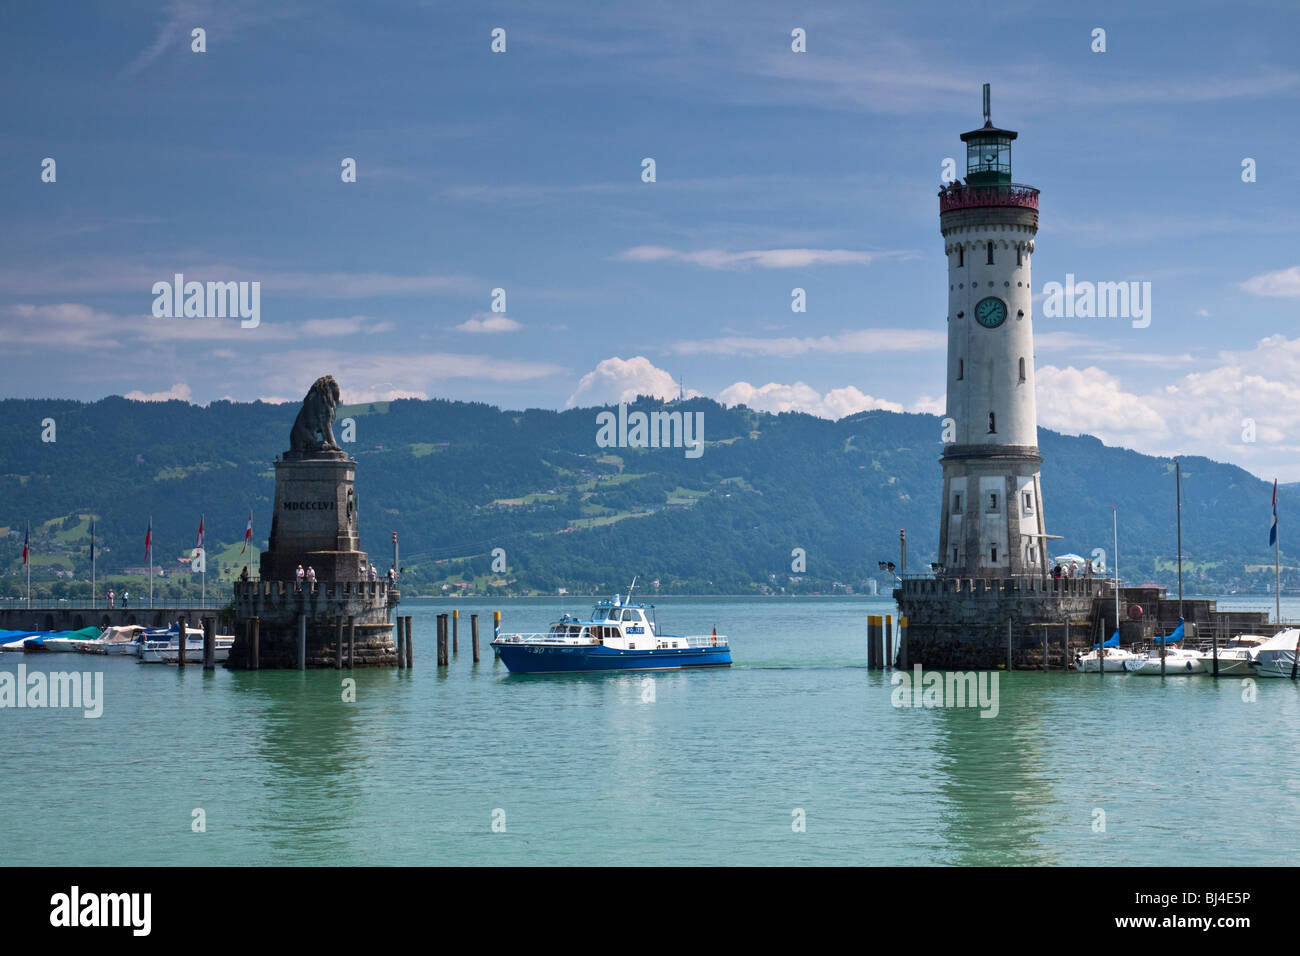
[
  {"x": 862, "y": 341},
  {"x": 622, "y": 380},
  {"x": 345, "y": 326},
  {"x": 179, "y": 390},
  {"x": 486, "y": 322},
  {"x": 800, "y": 397},
  {"x": 1284, "y": 283},
  {"x": 762, "y": 258}
]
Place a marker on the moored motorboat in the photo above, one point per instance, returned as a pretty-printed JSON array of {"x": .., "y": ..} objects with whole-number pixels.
[
  {"x": 164, "y": 647},
  {"x": 124, "y": 640},
  {"x": 1235, "y": 656},
  {"x": 617, "y": 636},
  {"x": 1276, "y": 657},
  {"x": 67, "y": 642}
]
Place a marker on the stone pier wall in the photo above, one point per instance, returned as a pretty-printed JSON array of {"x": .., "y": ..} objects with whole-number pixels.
[{"x": 279, "y": 606}]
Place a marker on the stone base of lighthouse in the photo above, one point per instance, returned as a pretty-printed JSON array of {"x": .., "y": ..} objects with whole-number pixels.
[
  {"x": 354, "y": 616},
  {"x": 958, "y": 623}
]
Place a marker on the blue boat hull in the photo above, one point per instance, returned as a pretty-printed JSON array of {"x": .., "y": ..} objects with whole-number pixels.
[{"x": 552, "y": 659}]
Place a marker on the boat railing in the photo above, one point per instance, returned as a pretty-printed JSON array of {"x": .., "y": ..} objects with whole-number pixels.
[
  {"x": 544, "y": 637},
  {"x": 701, "y": 640}
]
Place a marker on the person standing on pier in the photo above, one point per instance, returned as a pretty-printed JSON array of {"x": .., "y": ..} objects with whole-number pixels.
[
  {"x": 298, "y": 576},
  {"x": 126, "y": 600},
  {"x": 111, "y": 596},
  {"x": 311, "y": 577}
]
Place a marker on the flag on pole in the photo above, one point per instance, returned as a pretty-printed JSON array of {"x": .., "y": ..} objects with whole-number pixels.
[
  {"x": 1272, "y": 531},
  {"x": 148, "y": 540},
  {"x": 25, "y": 536},
  {"x": 248, "y": 533},
  {"x": 92, "y": 541},
  {"x": 198, "y": 544}
]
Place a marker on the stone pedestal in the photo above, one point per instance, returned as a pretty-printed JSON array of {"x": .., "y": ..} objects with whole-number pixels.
[{"x": 314, "y": 525}]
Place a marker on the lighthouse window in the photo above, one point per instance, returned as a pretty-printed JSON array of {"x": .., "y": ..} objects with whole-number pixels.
[
  {"x": 1022, "y": 368},
  {"x": 993, "y": 550},
  {"x": 993, "y": 502},
  {"x": 954, "y": 556},
  {"x": 956, "y": 504},
  {"x": 1019, "y": 255},
  {"x": 990, "y": 253},
  {"x": 992, "y": 424},
  {"x": 1029, "y": 502},
  {"x": 961, "y": 255},
  {"x": 961, "y": 369}
]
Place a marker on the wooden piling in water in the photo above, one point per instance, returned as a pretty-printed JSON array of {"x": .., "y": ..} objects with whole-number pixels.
[
  {"x": 180, "y": 642},
  {"x": 209, "y": 643},
  {"x": 455, "y": 631},
  {"x": 1008, "y": 645},
  {"x": 302, "y": 642},
  {"x": 338, "y": 645},
  {"x": 902, "y": 642},
  {"x": 442, "y": 640},
  {"x": 255, "y": 641},
  {"x": 473, "y": 630},
  {"x": 410, "y": 646},
  {"x": 1044, "y": 648},
  {"x": 875, "y": 628},
  {"x": 352, "y": 642},
  {"x": 889, "y": 643},
  {"x": 400, "y": 630}
]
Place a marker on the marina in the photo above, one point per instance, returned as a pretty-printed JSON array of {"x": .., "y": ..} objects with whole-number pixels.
[{"x": 707, "y": 773}]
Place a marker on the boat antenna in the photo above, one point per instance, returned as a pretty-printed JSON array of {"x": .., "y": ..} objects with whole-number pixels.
[{"x": 631, "y": 589}]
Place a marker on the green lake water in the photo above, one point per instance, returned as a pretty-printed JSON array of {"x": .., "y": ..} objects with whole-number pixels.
[{"x": 715, "y": 769}]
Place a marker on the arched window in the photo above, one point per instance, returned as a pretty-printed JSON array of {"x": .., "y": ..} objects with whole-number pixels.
[
  {"x": 1022, "y": 368},
  {"x": 961, "y": 255},
  {"x": 993, "y": 551},
  {"x": 1020, "y": 250},
  {"x": 961, "y": 369},
  {"x": 990, "y": 253}
]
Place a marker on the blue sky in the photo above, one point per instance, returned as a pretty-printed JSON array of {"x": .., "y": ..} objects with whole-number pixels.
[{"x": 775, "y": 170}]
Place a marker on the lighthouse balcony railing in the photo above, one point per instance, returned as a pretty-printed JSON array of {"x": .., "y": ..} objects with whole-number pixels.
[{"x": 960, "y": 196}]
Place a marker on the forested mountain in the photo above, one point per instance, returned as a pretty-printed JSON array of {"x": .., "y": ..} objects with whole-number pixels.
[{"x": 458, "y": 480}]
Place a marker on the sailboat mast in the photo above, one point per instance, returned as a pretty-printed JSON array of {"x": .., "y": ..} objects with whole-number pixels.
[{"x": 1178, "y": 480}]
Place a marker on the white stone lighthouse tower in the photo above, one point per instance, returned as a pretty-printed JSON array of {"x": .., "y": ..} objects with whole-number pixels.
[{"x": 992, "y": 519}]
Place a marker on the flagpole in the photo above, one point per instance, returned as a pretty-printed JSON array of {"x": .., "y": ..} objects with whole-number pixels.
[
  {"x": 203, "y": 575},
  {"x": 1277, "y": 579},
  {"x": 151, "y": 562},
  {"x": 93, "y": 589},
  {"x": 28, "y": 561}
]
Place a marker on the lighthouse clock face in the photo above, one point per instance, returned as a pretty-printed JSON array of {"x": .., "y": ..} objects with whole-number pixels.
[{"x": 990, "y": 312}]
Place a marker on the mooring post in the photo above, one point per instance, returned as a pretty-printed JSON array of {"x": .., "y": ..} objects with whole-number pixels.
[
  {"x": 1217, "y": 624},
  {"x": 338, "y": 645},
  {"x": 352, "y": 642},
  {"x": 1008, "y": 645},
  {"x": 209, "y": 643},
  {"x": 400, "y": 631},
  {"x": 1044, "y": 648},
  {"x": 889, "y": 643},
  {"x": 455, "y": 631},
  {"x": 875, "y": 626},
  {"x": 302, "y": 642},
  {"x": 180, "y": 642},
  {"x": 496, "y": 631},
  {"x": 410, "y": 645},
  {"x": 256, "y": 641},
  {"x": 473, "y": 630},
  {"x": 442, "y": 640},
  {"x": 902, "y": 642},
  {"x": 1065, "y": 653}
]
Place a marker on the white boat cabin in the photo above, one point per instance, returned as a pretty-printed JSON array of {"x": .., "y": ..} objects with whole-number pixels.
[{"x": 618, "y": 626}]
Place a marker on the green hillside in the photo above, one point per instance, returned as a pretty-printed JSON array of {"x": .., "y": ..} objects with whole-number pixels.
[{"x": 458, "y": 480}]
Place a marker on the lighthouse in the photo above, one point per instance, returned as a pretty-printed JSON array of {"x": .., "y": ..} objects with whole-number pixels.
[
  {"x": 989, "y": 601},
  {"x": 991, "y": 522}
]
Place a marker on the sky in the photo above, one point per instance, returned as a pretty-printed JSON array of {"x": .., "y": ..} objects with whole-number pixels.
[{"x": 522, "y": 171}]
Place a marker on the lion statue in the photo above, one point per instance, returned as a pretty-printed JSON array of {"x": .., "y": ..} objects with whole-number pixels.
[{"x": 316, "y": 417}]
